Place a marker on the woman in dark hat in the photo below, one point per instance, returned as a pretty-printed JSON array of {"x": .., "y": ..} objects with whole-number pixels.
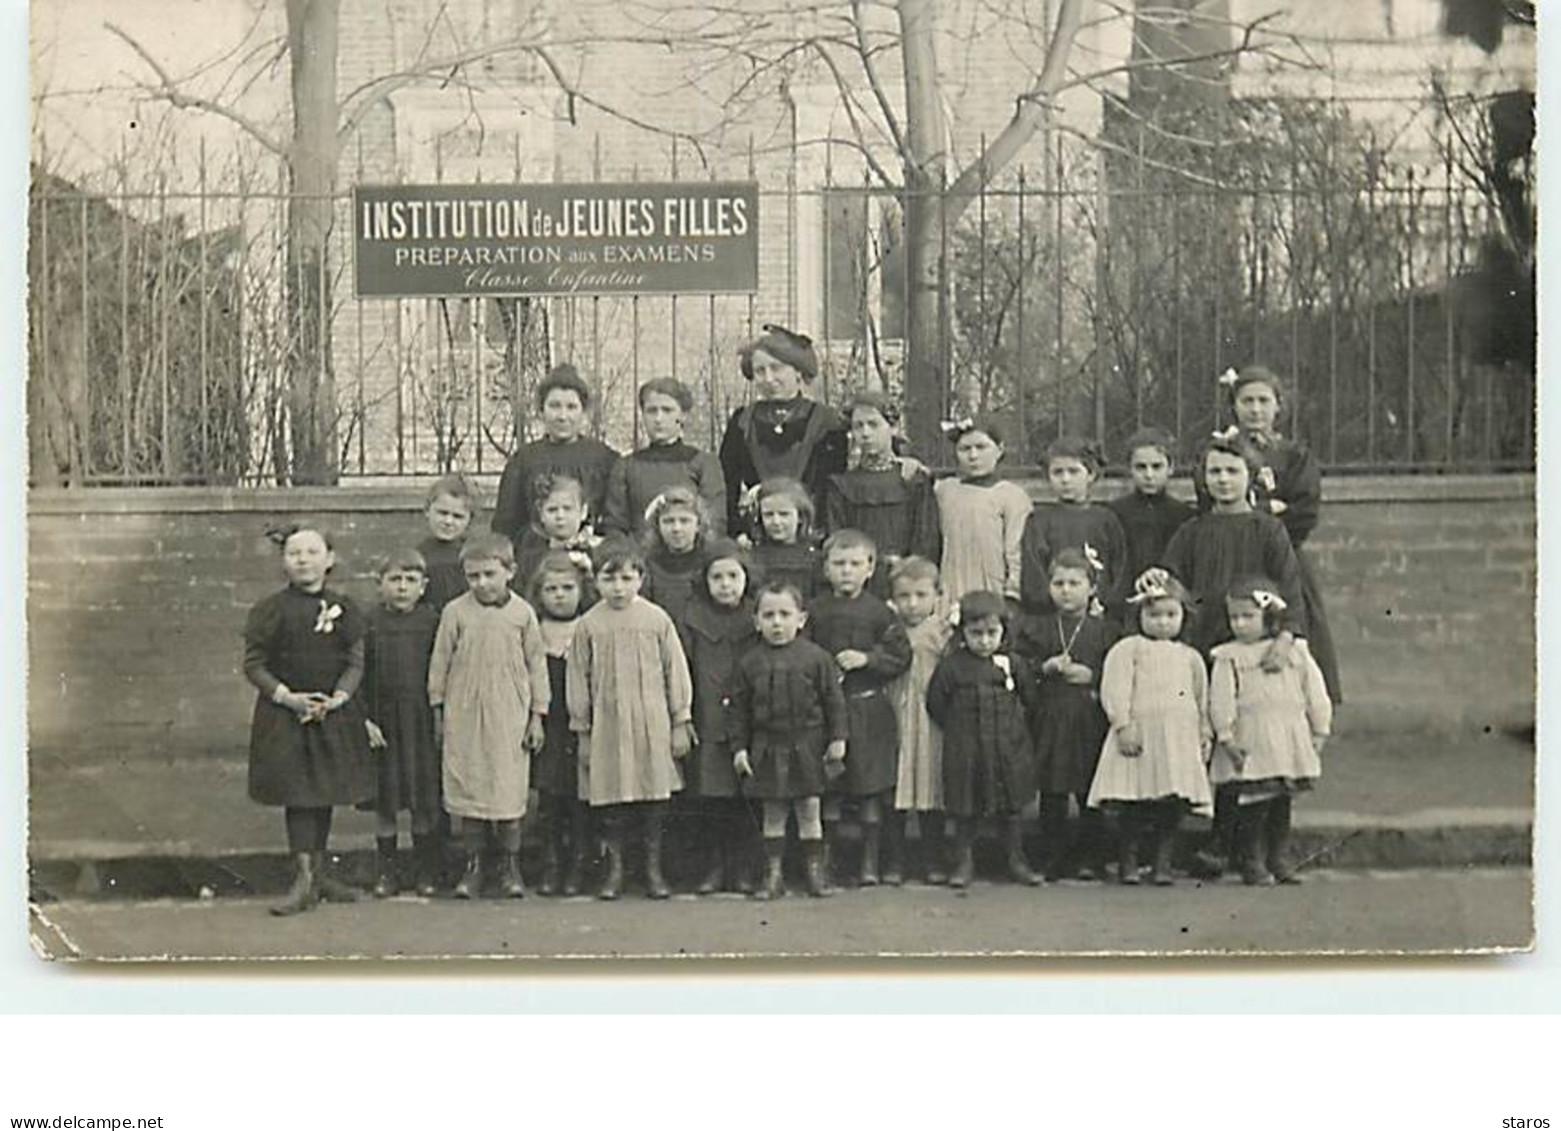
[{"x": 784, "y": 432}]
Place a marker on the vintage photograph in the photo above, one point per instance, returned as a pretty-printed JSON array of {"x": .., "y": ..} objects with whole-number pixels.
[{"x": 764, "y": 479}]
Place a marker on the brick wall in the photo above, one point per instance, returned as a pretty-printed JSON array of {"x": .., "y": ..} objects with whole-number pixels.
[{"x": 137, "y": 599}]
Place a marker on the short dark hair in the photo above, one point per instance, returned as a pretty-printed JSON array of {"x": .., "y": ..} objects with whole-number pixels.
[
  {"x": 1085, "y": 451},
  {"x": 546, "y": 484},
  {"x": 564, "y": 376},
  {"x": 779, "y": 586},
  {"x": 618, "y": 554},
  {"x": 1070, "y": 557},
  {"x": 914, "y": 568},
  {"x": 849, "y": 539},
  {"x": 978, "y": 604},
  {"x": 456, "y": 487},
  {"x": 489, "y": 548},
  {"x": 667, "y": 387},
  {"x": 1152, "y": 437},
  {"x": 406, "y": 558},
  {"x": 1257, "y": 375},
  {"x": 1230, "y": 445},
  {"x": 879, "y": 402}
]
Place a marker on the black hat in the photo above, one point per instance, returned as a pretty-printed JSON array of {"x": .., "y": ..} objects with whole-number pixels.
[{"x": 796, "y": 350}]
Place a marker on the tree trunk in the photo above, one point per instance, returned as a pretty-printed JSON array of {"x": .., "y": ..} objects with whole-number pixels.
[{"x": 312, "y": 38}]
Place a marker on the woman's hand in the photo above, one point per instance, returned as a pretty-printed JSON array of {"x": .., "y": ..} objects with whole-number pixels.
[
  {"x": 741, "y": 764},
  {"x": 1078, "y": 674},
  {"x": 835, "y": 759},
  {"x": 1277, "y": 656},
  {"x": 376, "y": 736},
  {"x": 851, "y": 660}
]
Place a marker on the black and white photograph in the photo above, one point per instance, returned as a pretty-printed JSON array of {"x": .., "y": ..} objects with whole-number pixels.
[{"x": 780, "y": 479}]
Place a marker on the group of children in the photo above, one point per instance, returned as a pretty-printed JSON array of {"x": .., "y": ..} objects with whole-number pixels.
[{"x": 946, "y": 655}]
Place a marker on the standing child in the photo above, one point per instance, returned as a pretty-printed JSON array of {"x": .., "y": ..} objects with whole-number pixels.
[
  {"x": 915, "y": 594},
  {"x": 559, "y": 593},
  {"x": 1152, "y": 767},
  {"x": 982, "y": 515},
  {"x": 489, "y": 690},
  {"x": 631, "y": 702},
  {"x": 784, "y": 549},
  {"x": 717, "y": 629},
  {"x": 1072, "y": 521},
  {"x": 675, "y": 554},
  {"x": 451, "y": 505},
  {"x": 895, "y": 508},
  {"x": 790, "y": 716},
  {"x": 560, "y": 521},
  {"x": 667, "y": 460},
  {"x": 1068, "y": 646},
  {"x": 980, "y": 697},
  {"x": 308, "y": 746},
  {"x": 870, "y": 647},
  {"x": 398, "y": 644},
  {"x": 1269, "y": 728},
  {"x": 1148, "y": 514}
]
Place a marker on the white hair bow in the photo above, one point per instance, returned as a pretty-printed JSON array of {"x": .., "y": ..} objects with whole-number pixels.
[
  {"x": 956, "y": 428},
  {"x": 1093, "y": 559},
  {"x": 1229, "y": 378},
  {"x": 1231, "y": 433},
  {"x": 1268, "y": 599}
]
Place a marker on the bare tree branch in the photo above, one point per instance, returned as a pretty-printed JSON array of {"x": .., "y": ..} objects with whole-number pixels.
[{"x": 884, "y": 106}]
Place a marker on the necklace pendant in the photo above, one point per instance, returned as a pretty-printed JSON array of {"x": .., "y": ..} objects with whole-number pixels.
[{"x": 780, "y": 429}]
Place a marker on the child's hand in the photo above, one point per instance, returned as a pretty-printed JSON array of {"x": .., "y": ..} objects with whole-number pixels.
[
  {"x": 1052, "y": 666},
  {"x": 439, "y": 727},
  {"x": 1078, "y": 674},
  {"x": 1130, "y": 740},
  {"x": 851, "y": 660},
  {"x": 1318, "y": 742},
  {"x": 1237, "y": 756},
  {"x": 682, "y": 740},
  {"x": 376, "y": 736},
  {"x": 910, "y": 467},
  {"x": 1277, "y": 506},
  {"x": 1277, "y": 657},
  {"x": 835, "y": 759},
  {"x": 742, "y": 765},
  {"x": 536, "y": 734}
]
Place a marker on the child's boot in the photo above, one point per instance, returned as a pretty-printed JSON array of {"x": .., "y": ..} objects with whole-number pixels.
[
  {"x": 774, "y": 861},
  {"x": 964, "y": 854},
  {"x": 872, "y": 844},
  {"x": 814, "y": 855},
  {"x": 612, "y": 849},
  {"x": 469, "y": 886},
  {"x": 552, "y": 845},
  {"x": 655, "y": 883},
  {"x": 932, "y": 849},
  {"x": 1252, "y": 828},
  {"x": 301, "y": 896},
  {"x": 746, "y": 856},
  {"x": 510, "y": 882},
  {"x": 1167, "y": 818},
  {"x": 1127, "y": 848},
  {"x": 715, "y": 857},
  {"x": 894, "y": 847},
  {"x": 1019, "y": 870},
  {"x": 1279, "y": 863},
  {"x": 426, "y": 853},
  {"x": 574, "y": 874},
  {"x": 384, "y": 867},
  {"x": 331, "y": 890}
]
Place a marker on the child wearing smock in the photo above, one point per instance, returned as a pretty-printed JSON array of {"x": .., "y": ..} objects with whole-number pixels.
[
  {"x": 1149, "y": 514},
  {"x": 981, "y": 698},
  {"x": 451, "y": 505},
  {"x": 308, "y": 746},
  {"x": 560, "y": 593},
  {"x": 1071, "y": 521},
  {"x": 790, "y": 716},
  {"x": 397, "y": 646},
  {"x": 783, "y": 546},
  {"x": 1068, "y": 649},
  {"x": 667, "y": 460},
  {"x": 982, "y": 516},
  {"x": 488, "y": 686},
  {"x": 916, "y": 596},
  {"x": 1270, "y": 724},
  {"x": 1152, "y": 770},
  {"x": 675, "y": 549},
  {"x": 630, "y": 703},
  {"x": 870, "y": 647},
  {"x": 887, "y": 498},
  {"x": 717, "y": 630}
]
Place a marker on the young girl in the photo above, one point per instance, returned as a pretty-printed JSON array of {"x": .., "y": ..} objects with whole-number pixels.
[
  {"x": 1269, "y": 728},
  {"x": 308, "y": 746},
  {"x": 980, "y": 698},
  {"x": 1072, "y": 464},
  {"x": 487, "y": 683},
  {"x": 451, "y": 505},
  {"x": 630, "y": 702},
  {"x": 397, "y": 646},
  {"x": 666, "y": 460},
  {"x": 870, "y": 647},
  {"x": 915, "y": 594},
  {"x": 717, "y": 629},
  {"x": 784, "y": 549},
  {"x": 563, "y": 399},
  {"x": 560, "y": 522},
  {"x": 982, "y": 516},
  {"x": 559, "y": 594},
  {"x": 1068, "y": 646},
  {"x": 1288, "y": 486},
  {"x": 1148, "y": 514},
  {"x": 1152, "y": 767},
  {"x": 899, "y": 512},
  {"x": 790, "y": 718},
  {"x": 675, "y": 557}
]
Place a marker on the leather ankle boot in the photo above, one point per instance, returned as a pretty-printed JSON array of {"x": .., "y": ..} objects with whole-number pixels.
[
  {"x": 1019, "y": 870},
  {"x": 894, "y": 851},
  {"x": 964, "y": 855},
  {"x": 510, "y": 882},
  {"x": 774, "y": 863},
  {"x": 301, "y": 896},
  {"x": 1252, "y": 826},
  {"x": 330, "y": 890},
  {"x": 385, "y": 884},
  {"x": 871, "y": 844},
  {"x": 469, "y": 886},
  {"x": 655, "y": 883},
  {"x": 612, "y": 879},
  {"x": 813, "y": 854},
  {"x": 426, "y": 851}
]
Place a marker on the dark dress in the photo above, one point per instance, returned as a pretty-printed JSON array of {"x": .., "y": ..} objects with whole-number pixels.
[
  {"x": 865, "y": 623},
  {"x": 1060, "y": 526},
  {"x": 799, "y": 439},
  {"x": 586, "y": 459},
  {"x": 797, "y": 563},
  {"x": 323, "y": 763},
  {"x": 1069, "y": 725},
  {"x": 714, "y": 639},
  {"x": 671, "y": 580},
  {"x": 988, "y": 765},
  {"x": 446, "y": 578},
  {"x": 555, "y": 769},
  {"x": 1148, "y": 521},
  {"x": 788, "y": 706},
  {"x": 1214, "y": 550},
  {"x": 395, "y": 695},
  {"x": 900, "y": 516},
  {"x": 641, "y": 475}
]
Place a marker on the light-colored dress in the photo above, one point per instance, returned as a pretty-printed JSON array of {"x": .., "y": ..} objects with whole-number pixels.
[
  {"x": 1161, "y": 687},
  {"x": 919, "y": 786},
  {"x": 983, "y": 534},
  {"x": 628, "y": 685},
  {"x": 1270, "y": 715},
  {"x": 489, "y": 672}
]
